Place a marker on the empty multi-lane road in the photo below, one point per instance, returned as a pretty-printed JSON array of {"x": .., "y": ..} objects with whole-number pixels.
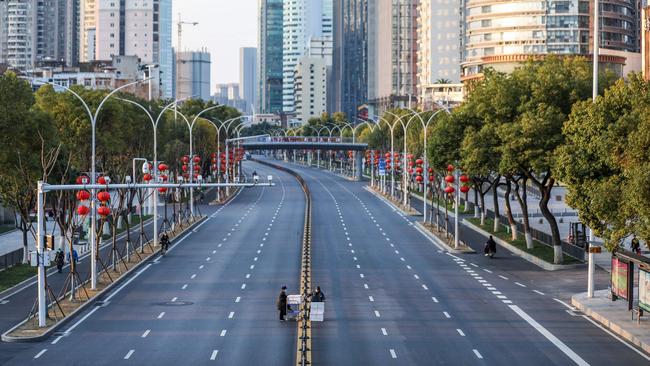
[{"x": 392, "y": 296}]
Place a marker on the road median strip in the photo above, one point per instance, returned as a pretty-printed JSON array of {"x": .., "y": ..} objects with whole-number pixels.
[{"x": 303, "y": 344}]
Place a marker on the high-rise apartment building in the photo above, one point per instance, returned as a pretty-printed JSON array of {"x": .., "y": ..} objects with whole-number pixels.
[
  {"x": 270, "y": 56},
  {"x": 34, "y": 31},
  {"x": 248, "y": 77},
  {"x": 303, "y": 20},
  {"x": 141, "y": 28},
  {"x": 501, "y": 35},
  {"x": 348, "y": 82},
  {"x": 194, "y": 75},
  {"x": 439, "y": 52},
  {"x": 310, "y": 83},
  {"x": 392, "y": 54}
]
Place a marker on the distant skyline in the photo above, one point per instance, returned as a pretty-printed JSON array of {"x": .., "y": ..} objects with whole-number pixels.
[{"x": 224, "y": 27}]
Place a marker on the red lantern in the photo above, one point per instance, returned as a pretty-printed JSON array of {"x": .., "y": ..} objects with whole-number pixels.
[
  {"x": 162, "y": 190},
  {"x": 450, "y": 179},
  {"x": 197, "y": 159},
  {"x": 387, "y": 166},
  {"x": 410, "y": 171},
  {"x": 431, "y": 178},
  {"x": 101, "y": 180},
  {"x": 184, "y": 167},
  {"x": 83, "y": 210},
  {"x": 419, "y": 162},
  {"x": 185, "y": 159},
  {"x": 103, "y": 211},
  {"x": 418, "y": 170},
  {"x": 430, "y": 170},
  {"x": 419, "y": 178},
  {"x": 163, "y": 167},
  {"x": 83, "y": 195},
  {"x": 449, "y": 190},
  {"x": 409, "y": 156},
  {"x": 197, "y": 168},
  {"x": 103, "y": 196},
  {"x": 82, "y": 178},
  {"x": 410, "y": 163},
  {"x": 450, "y": 168},
  {"x": 214, "y": 166},
  {"x": 147, "y": 177},
  {"x": 464, "y": 189},
  {"x": 464, "y": 178},
  {"x": 387, "y": 155}
]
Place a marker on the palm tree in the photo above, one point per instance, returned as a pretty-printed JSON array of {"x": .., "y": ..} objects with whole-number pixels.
[{"x": 443, "y": 81}]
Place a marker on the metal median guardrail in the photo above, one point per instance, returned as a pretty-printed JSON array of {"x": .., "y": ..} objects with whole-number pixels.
[{"x": 303, "y": 344}]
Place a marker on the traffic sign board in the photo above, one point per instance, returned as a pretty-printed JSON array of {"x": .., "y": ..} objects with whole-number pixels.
[{"x": 382, "y": 166}]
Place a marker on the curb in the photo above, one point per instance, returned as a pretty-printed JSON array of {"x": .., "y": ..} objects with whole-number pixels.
[
  {"x": 9, "y": 339},
  {"x": 529, "y": 257},
  {"x": 608, "y": 324},
  {"x": 424, "y": 230},
  {"x": 391, "y": 204}
]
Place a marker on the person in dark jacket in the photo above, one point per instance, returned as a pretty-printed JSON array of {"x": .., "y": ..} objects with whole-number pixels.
[
  {"x": 490, "y": 247},
  {"x": 282, "y": 303},
  {"x": 59, "y": 259},
  {"x": 318, "y": 295}
]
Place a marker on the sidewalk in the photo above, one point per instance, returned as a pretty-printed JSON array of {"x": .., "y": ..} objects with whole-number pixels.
[{"x": 614, "y": 316}]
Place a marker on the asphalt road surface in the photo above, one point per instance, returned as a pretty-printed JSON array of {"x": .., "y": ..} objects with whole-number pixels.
[
  {"x": 392, "y": 296},
  {"x": 211, "y": 299}
]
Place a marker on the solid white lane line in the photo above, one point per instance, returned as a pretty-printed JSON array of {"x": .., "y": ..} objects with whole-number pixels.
[
  {"x": 40, "y": 353},
  {"x": 460, "y": 331},
  {"x": 565, "y": 304},
  {"x": 520, "y": 284},
  {"x": 478, "y": 354},
  {"x": 446, "y": 314},
  {"x": 553, "y": 339},
  {"x": 136, "y": 276},
  {"x": 434, "y": 299},
  {"x": 231, "y": 315},
  {"x": 161, "y": 315},
  {"x": 214, "y": 355},
  {"x": 129, "y": 354},
  {"x": 184, "y": 287},
  {"x": 223, "y": 333},
  {"x": 392, "y": 353},
  {"x": 538, "y": 292},
  {"x": 377, "y": 314},
  {"x": 146, "y": 333}
]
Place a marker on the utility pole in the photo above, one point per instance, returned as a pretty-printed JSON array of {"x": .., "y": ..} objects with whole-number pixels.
[
  {"x": 180, "y": 49},
  {"x": 591, "y": 266}
]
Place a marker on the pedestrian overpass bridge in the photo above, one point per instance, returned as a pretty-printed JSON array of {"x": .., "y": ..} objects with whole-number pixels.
[
  {"x": 309, "y": 144},
  {"x": 304, "y": 143}
]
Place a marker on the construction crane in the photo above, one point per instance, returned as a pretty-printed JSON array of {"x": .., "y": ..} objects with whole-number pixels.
[{"x": 180, "y": 49}]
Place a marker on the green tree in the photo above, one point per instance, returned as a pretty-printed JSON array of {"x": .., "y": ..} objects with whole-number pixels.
[{"x": 605, "y": 161}]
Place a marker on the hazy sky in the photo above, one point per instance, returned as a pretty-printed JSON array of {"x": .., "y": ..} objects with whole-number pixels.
[{"x": 224, "y": 27}]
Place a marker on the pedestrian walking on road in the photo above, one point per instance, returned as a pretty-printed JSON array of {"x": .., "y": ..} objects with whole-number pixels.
[
  {"x": 282, "y": 303},
  {"x": 490, "y": 247},
  {"x": 58, "y": 259},
  {"x": 318, "y": 295},
  {"x": 75, "y": 257}
]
